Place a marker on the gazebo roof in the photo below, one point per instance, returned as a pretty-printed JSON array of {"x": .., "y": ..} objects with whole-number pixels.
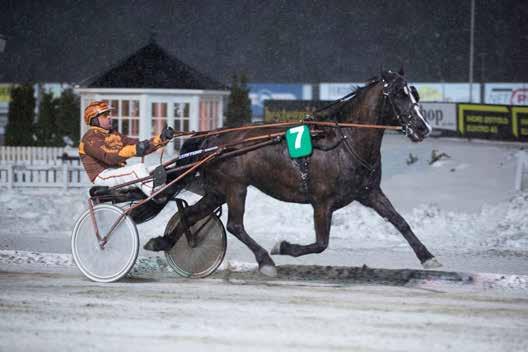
[{"x": 152, "y": 67}]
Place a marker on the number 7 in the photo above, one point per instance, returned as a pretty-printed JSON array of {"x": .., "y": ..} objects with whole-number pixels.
[{"x": 299, "y": 130}]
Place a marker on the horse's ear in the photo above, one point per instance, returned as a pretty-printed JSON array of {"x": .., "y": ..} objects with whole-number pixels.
[{"x": 400, "y": 72}]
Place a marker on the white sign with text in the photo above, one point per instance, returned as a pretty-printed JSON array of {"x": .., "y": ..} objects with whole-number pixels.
[{"x": 441, "y": 115}]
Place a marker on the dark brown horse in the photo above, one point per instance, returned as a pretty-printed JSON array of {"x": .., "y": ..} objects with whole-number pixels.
[{"x": 345, "y": 166}]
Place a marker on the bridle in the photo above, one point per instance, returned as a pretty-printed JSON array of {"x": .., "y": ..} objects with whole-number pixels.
[{"x": 405, "y": 118}]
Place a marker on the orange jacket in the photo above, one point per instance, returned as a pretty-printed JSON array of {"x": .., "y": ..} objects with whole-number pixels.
[{"x": 101, "y": 149}]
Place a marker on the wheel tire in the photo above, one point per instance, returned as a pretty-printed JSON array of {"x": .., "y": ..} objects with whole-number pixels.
[
  {"x": 120, "y": 252},
  {"x": 203, "y": 259}
]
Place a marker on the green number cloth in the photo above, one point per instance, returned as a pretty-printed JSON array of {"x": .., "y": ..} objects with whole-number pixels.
[{"x": 299, "y": 141}]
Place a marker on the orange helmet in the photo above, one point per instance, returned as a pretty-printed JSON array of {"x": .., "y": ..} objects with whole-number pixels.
[{"x": 95, "y": 109}]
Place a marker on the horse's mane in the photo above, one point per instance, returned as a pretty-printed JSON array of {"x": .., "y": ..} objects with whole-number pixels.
[{"x": 338, "y": 109}]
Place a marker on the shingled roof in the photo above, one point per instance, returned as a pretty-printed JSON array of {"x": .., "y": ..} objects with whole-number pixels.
[{"x": 152, "y": 67}]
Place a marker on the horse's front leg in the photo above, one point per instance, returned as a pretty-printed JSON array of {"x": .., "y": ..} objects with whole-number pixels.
[
  {"x": 236, "y": 199},
  {"x": 322, "y": 221},
  {"x": 378, "y": 201}
]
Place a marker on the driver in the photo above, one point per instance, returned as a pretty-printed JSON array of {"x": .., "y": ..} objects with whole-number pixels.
[{"x": 104, "y": 151}]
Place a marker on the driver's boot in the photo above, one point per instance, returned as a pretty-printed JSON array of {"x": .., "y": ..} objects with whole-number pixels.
[{"x": 160, "y": 243}]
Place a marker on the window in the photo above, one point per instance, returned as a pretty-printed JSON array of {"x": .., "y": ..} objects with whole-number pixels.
[
  {"x": 159, "y": 117},
  {"x": 182, "y": 121},
  {"x": 209, "y": 109},
  {"x": 130, "y": 118},
  {"x": 182, "y": 117},
  {"x": 125, "y": 116}
]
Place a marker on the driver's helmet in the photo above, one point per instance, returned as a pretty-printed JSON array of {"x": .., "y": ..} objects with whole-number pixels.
[{"x": 95, "y": 109}]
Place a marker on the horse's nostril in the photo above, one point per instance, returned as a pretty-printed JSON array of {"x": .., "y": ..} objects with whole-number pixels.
[{"x": 423, "y": 128}]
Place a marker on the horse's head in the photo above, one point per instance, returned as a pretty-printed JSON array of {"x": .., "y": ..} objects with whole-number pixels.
[{"x": 401, "y": 105}]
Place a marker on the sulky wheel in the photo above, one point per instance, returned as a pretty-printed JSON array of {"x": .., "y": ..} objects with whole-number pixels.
[
  {"x": 118, "y": 255},
  {"x": 207, "y": 253}
]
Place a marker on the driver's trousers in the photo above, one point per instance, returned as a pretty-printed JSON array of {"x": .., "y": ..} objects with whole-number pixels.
[{"x": 115, "y": 176}]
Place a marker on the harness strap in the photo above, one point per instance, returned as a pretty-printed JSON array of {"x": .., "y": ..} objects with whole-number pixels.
[{"x": 351, "y": 150}]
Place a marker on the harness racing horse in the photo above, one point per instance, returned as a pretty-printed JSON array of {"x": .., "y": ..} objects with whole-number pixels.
[{"x": 345, "y": 166}]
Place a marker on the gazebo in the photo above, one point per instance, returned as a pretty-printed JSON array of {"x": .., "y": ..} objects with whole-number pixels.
[{"x": 151, "y": 89}]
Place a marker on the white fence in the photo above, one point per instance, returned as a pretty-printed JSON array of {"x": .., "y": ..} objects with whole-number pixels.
[
  {"x": 40, "y": 167},
  {"x": 31, "y": 155},
  {"x": 62, "y": 176}
]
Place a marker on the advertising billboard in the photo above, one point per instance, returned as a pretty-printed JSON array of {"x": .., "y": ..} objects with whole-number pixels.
[
  {"x": 447, "y": 92},
  {"x": 260, "y": 92},
  {"x": 520, "y": 122},
  {"x": 441, "y": 116},
  {"x": 506, "y": 93},
  {"x": 485, "y": 121}
]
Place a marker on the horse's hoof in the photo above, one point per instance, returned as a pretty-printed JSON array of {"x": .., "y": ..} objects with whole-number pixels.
[
  {"x": 268, "y": 270},
  {"x": 276, "y": 248},
  {"x": 431, "y": 264},
  {"x": 158, "y": 244}
]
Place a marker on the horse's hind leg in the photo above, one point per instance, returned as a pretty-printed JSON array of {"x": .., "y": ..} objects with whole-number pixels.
[
  {"x": 192, "y": 214},
  {"x": 236, "y": 198},
  {"x": 378, "y": 201},
  {"x": 322, "y": 221}
]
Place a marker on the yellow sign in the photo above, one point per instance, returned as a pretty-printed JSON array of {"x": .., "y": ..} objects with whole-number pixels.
[
  {"x": 520, "y": 121},
  {"x": 482, "y": 118}
]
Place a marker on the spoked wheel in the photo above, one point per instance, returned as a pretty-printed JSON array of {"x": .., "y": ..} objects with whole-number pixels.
[
  {"x": 202, "y": 258},
  {"x": 117, "y": 256}
]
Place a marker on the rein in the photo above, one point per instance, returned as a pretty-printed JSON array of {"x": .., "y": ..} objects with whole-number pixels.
[
  {"x": 232, "y": 148},
  {"x": 278, "y": 136},
  {"x": 194, "y": 134}
]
